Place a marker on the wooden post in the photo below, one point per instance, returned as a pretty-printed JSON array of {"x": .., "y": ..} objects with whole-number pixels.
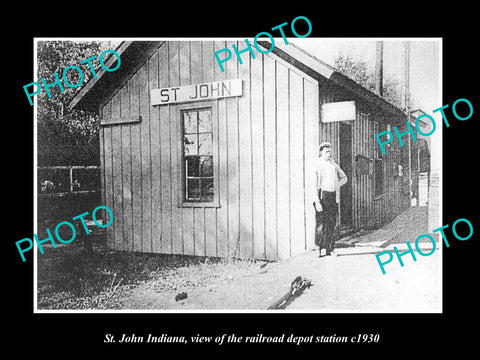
[{"x": 71, "y": 179}]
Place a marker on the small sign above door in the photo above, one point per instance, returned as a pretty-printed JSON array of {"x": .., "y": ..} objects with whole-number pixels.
[
  {"x": 338, "y": 111},
  {"x": 197, "y": 92}
]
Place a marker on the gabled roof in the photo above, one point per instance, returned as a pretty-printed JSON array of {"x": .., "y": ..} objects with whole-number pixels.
[
  {"x": 132, "y": 56},
  {"x": 134, "y": 53}
]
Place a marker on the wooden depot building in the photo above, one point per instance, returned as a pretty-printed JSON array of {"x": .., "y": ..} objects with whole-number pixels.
[{"x": 197, "y": 161}]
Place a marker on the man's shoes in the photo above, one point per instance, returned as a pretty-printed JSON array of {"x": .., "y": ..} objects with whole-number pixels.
[
  {"x": 333, "y": 253},
  {"x": 323, "y": 252}
]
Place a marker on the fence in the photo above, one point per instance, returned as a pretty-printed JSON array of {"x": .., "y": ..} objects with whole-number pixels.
[
  {"x": 66, "y": 191},
  {"x": 61, "y": 180}
]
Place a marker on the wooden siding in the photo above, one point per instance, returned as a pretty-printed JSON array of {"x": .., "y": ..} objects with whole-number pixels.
[
  {"x": 263, "y": 141},
  {"x": 368, "y": 211},
  {"x": 372, "y": 211}
]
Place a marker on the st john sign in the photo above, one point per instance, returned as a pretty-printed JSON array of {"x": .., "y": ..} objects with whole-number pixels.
[{"x": 197, "y": 92}]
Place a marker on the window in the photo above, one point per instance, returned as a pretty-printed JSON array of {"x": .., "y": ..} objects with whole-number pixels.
[{"x": 198, "y": 155}]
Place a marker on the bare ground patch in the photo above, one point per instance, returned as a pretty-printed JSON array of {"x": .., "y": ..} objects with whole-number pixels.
[{"x": 70, "y": 278}]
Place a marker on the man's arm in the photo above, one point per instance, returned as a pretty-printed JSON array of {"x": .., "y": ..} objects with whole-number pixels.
[
  {"x": 342, "y": 177},
  {"x": 316, "y": 200}
]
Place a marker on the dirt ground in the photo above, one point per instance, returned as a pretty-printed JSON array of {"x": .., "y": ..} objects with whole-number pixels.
[
  {"x": 347, "y": 283},
  {"x": 71, "y": 279},
  {"x": 344, "y": 283}
]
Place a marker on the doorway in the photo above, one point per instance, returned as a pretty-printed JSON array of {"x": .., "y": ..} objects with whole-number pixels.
[{"x": 345, "y": 157}]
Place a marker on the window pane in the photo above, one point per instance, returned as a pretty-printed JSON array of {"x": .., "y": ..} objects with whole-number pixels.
[
  {"x": 193, "y": 189},
  {"x": 204, "y": 121},
  {"x": 192, "y": 166},
  {"x": 205, "y": 144},
  {"x": 190, "y": 144},
  {"x": 206, "y": 166},
  {"x": 190, "y": 122},
  {"x": 207, "y": 189}
]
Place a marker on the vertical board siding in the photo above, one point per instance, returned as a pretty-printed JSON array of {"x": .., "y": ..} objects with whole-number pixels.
[
  {"x": 107, "y": 172},
  {"x": 283, "y": 165},
  {"x": 233, "y": 185},
  {"x": 258, "y": 155},
  {"x": 117, "y": 162},
  {"x": 369, "y": 211},
  {"x": 245, "y": 160},
  {"x": 146, "y": 173},
  {"x": 136, "y": 165},
  {"x": 102, "y": 162},
  {"x": 117, "y": 174},
  {"x": 155, "y": 158},
  {"x": 270, "y": 155},
  {"x": 165, "y": 182},
  {"x": 222, "y": 218},
  {"x": 126, "y": 167},
  {"x": 296, "y": 159},
  {"x": 263, "y": 141},
  {"x": 181, "y": 244},
  {"x": 311, "y": 109}
]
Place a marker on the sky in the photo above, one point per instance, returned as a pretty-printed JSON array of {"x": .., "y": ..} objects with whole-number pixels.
[{"x": 425, "y": 62}]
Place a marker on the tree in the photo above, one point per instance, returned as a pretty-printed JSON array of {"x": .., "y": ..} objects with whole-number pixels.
[
  {"x": 66, "y": 136},
  {"x": 358, "y": 71}
]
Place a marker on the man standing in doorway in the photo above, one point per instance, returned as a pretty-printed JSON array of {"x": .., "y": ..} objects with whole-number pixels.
[{"x": 329, "y": 178}]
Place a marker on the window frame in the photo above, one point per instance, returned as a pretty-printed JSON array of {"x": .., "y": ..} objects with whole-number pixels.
[{"x": 180, "y": 109}]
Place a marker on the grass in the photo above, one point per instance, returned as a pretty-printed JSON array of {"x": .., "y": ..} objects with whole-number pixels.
[{"x": 70, "y": 278}]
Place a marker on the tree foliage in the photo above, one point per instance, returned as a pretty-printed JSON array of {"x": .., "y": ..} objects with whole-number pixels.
[
  {"x": 66, "y": 136},
  {"x": 358, "y": 71}
]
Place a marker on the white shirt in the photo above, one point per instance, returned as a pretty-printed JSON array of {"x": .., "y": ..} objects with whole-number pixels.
[
  {"x": 329, "y": 177},
  {"x": 326, "y": 175}
]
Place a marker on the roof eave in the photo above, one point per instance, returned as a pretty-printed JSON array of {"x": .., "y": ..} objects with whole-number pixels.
[{"x": 92, "y": 94}]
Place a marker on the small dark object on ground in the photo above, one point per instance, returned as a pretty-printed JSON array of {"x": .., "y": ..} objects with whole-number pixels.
[
  {"x": 181, "y": 296},
  {"x": 296, "y": 289}
]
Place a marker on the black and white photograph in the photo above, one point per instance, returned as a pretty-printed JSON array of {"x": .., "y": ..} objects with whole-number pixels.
[
  {"x": 184, "y": 181},
  {"x": 239, "y": 175}
]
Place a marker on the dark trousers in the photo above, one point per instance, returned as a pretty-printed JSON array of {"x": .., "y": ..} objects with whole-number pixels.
[{"x": 326, "y": 220}]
